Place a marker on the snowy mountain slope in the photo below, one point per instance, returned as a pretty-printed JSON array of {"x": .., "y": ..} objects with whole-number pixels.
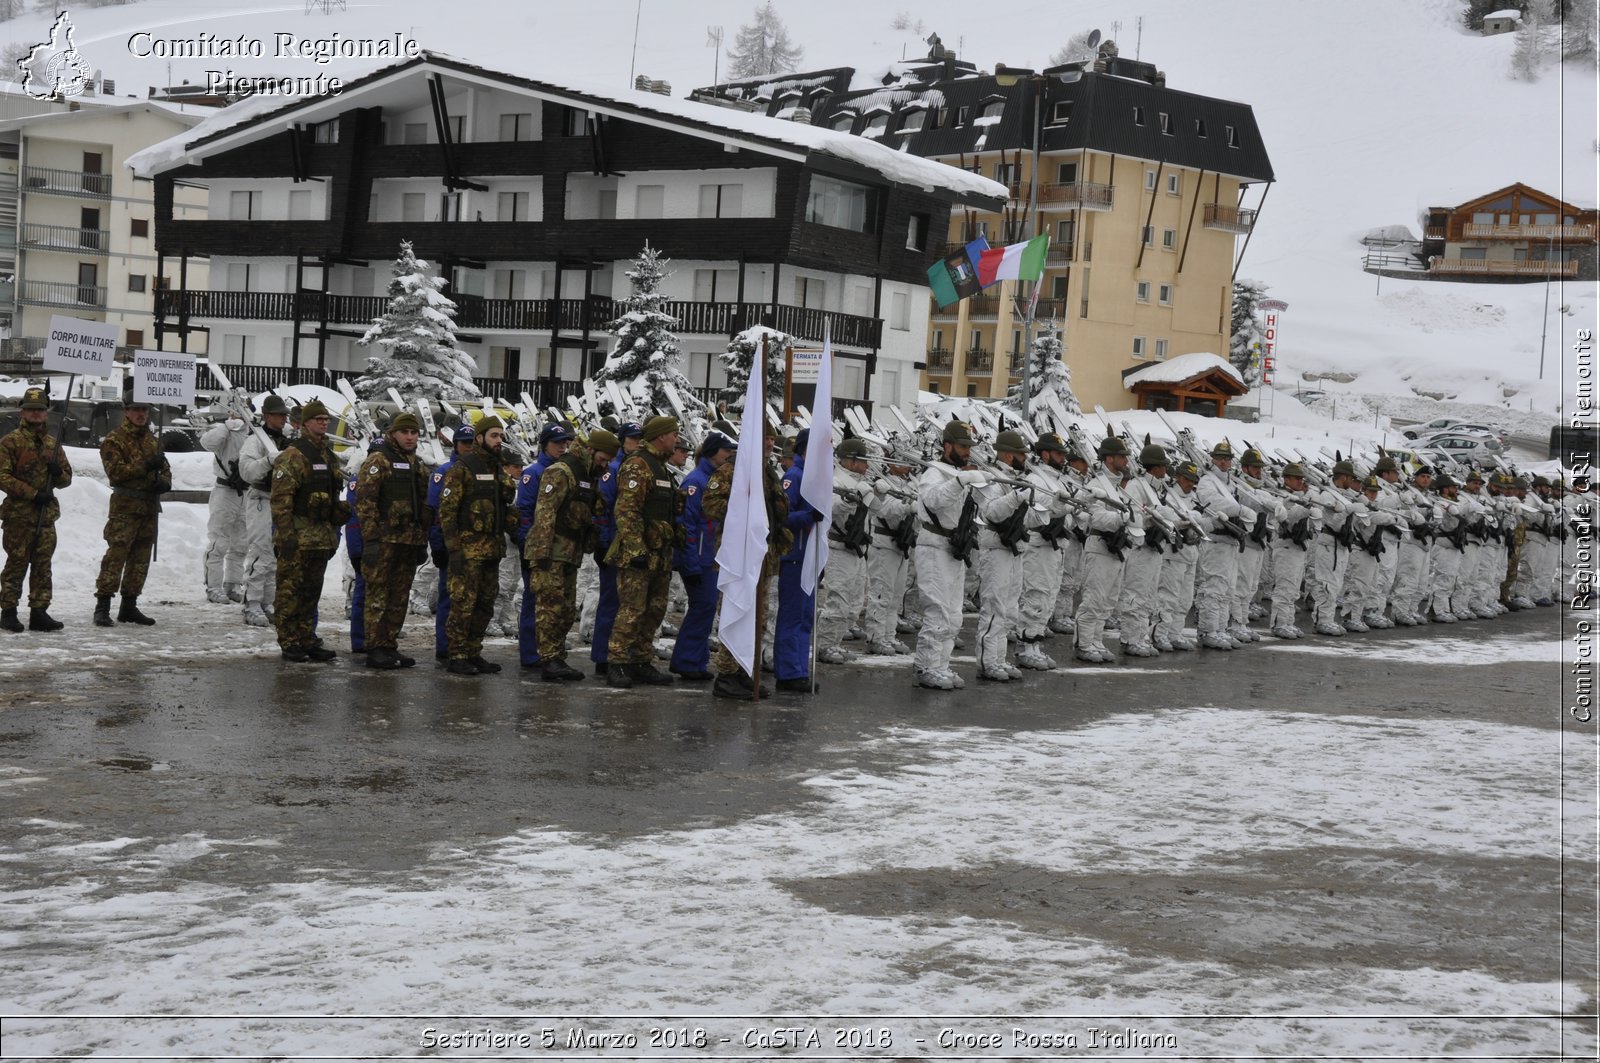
[{"x": 1371, "y": 110}]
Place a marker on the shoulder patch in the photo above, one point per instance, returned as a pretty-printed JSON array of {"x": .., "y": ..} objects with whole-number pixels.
[
  {"x": 549, "y": 487},
  {"x": 691, "y": 489},
  {"x": 526, "y": 478},
  {"x": 438, "y": 476},
  {"x": 372, "y": 470},
  {"x": 606, "y": 477},
  {"x": 632, "y": 484}
]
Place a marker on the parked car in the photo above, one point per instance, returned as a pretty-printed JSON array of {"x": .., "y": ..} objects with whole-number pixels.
[
  {"x": 1441, "y": 425},
  {"x": 1468, "y": 449}
]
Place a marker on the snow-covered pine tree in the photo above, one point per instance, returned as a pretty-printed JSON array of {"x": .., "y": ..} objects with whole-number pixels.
[
  {"x": 1533, "y": 47},
  {"x": 1047, "y": 372},
  {"x": 1246, "y": 329},
  {"x": 646, "y": 354},
  {"x": 763, "y": 47},
  {"x": 741, "y": 355},
  {"x": 416, "y": 339}
]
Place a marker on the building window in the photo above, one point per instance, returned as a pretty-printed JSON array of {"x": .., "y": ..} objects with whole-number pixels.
[
  {"x": 1166, "y": 124},
  {"x": 841, "y": 204},
  {"x": 512, "y": 206},
  {"x": 244, "y": 206},
  {"x": 876, "y": 125},
  {"x": 917, "y": 232},
  {"x": 576, "y": 122},
  {"x": 1233, "y": 137},
  {"x": 139, "y": 227},
  {"x": 1061, "y": 113},
  {"x": 1149, "y": 180},
  {"x": 1083, "y": 305},
  {"x": 516, "y": 127},
  {"x": 1067, "y": 173},
  {"x": 977, "y": 340},
  {"x": 650, "y": 201},
  {"x": 1164, "y": 294},
  {"x": 1149, "y": 236},
  {"x": 721, "y": 201},
  {"x": 1138, "y": 346},
  {"x": 1161, "y": 350},
  {"x": 458, "y": 129},
  {"x": 1016, "y": 341},
  {"x": 1199, "y": 127},
  {"x": 414, "y": 133},
  {"x": 136, "y": 337},
  {"x": 913, "y": 121},
  {"x": 450, "y": 206},
  {"x": 300, "y": 204},
  {"x": 962, "y": 114},
  {"x": 1141, "y": 291},
  {"x": 995, "y": 109},
  {"x": 1169, "y": 239},
  {"x": 1058, "y": 287},
  {"x": 1138, "y": 116},
  {"x": 900, "y": 311},
  {"x": 843, "y": 123},
  {"x": 1065, "y": 230},
  {"x": 1174, "y": 184},
  {"x": 412, "y": 205},
  {"x": 1474, "y": 254},
  {"x": 136, "y": 282},
  {"x": 1005, "y": 173},
  {"x": 325, "y": 132}
]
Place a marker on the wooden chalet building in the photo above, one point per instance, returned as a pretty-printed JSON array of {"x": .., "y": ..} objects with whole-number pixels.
[
  {"x": 1516, "y": 233},
  {"x": 533, "y": 198},
  {"x": 1199, "y": 383}
]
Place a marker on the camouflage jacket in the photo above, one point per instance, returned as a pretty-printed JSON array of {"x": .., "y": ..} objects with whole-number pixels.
[
  {"x": 392, "y": 496},
  {"x": 30, "y": 460},
  {"x": 135, "y": 489},
  {"x": 646, "y": 512},
  {"x": 563, "y": 519},
  {"x": 715, "y": 507},
  {"x": 475, "y": 506},
  {"x": 306, "y": 502}
]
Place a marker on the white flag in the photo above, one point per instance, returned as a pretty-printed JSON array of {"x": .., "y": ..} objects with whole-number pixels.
[
  {"x": 816, "y": 482},
  {"x": 744, "y": 530}
]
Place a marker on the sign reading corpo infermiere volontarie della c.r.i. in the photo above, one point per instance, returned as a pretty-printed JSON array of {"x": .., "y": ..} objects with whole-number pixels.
[{"x": 286, "y": 47}]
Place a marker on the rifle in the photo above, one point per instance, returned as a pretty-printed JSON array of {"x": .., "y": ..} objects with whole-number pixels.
[
  {"x": 1014, "y": 529},
  {"x": 857, "y": 534},
  {"x": 249, "y": 419},
  {"x": 964, "y": 536},
  {"x": 355, "y": 411}
]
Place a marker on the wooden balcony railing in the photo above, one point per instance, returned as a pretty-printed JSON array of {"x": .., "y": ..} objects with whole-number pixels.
[
  {"x": 1076, "y": 195},
  {"x": 1433, "y": 232},
  {"x": 980, "y": 360},
  {"x": 1227, "y": 219},
  {"x": 63, "y": 293},
  {"x": 66, "y": 182},
  {"x": 1527, "y": 232},
  {"x": 66, "y": 238},
  {"x": 1502, "y": 267},
  {"x": 940, "y": 360},
  {"x": 983, "y": 306}
]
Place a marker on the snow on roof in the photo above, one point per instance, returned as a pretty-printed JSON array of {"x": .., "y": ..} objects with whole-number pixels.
[
  {"x": 1177, "y": 370},
  {"x": 896, "y": 166},
  {"x": 1509, "y": 12}
]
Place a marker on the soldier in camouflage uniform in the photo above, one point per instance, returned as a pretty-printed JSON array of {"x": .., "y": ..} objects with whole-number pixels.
[
  {"x": 646, "y": 521},
  {"x": 139, "y": 475},
  {"x": 307, "y": 514},
  {"x": 474, "y": 502},
  {"x": 32, "y": 468},
  {"x": 563, "y": 533},
  {"x": 391, "y": 503},
  {"x": 733, "y": 681}
]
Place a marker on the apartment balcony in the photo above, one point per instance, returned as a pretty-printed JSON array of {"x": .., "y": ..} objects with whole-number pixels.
[
  {"x": 66, "y": 182},
  {"x": 983, "y": 306},
  {"x": 1433, "y": 232},
  {"x": 940, "y": 360},
  {"x": 64, "y": 293},
  {"x": 513, "y": 315},
  {"x": 65, "y": 238},
  {"x": 980, "y": 361},
  {"x": 1058, "y": 255},
  {"x": 1227, "y": 219},
  {"x": 1491, "y": 267},
  {"x": 1076, "y": 195},
  {"x": 1527, "y": 232}
]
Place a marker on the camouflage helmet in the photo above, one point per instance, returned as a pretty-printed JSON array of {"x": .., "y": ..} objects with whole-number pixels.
[
  {"x": 35, "y": 399},
  {"x": 604, "y": 441},
  {"x": 1343, "y": 468},
  {"x": 851, "y": 450},
  {"x": 1222, "y": 450},
  {"x": 1049, "y": 441},
  {"x": 958, "y": 432},
  {"x": 1252, "y": 458},
  {"x": 1295, "y": 469},
  {"x": 1011, "y": 441},
  {"x": 1188, "y": 470},
  {"x": 1152, "y": 455},
  {"x": 1111, "y": 447},
  {"x": 1386, "y": 464}
]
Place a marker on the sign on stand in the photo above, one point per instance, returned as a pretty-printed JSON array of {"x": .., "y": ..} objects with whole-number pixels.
[
  {"x": 1271, "y": 308},
  {"x": 804, "y": 364},
  {"x": 164, "y": 378},
  {"x": 83, "y": 348}
]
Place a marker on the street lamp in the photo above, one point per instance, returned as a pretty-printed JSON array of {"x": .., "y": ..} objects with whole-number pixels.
[{"x": 1006, "y": 77}]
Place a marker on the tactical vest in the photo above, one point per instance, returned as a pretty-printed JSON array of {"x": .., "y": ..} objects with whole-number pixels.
[
  {"x": 576, "y": 517},
  {"x": 483, "y": 485},
  {"x": 313, "y": 499},
  {"x": 661, "y": 503},
  {"x": 403, "y": 484}
]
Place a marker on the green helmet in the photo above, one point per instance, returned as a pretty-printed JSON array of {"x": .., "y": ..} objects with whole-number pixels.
[
  {"x": 1343, "y": 468},
  {"x": 1049, "y": 441},
  {"x": 1386, "y": 464},
  {"x": 1111, "y": 447},
  {"x": 1442, "y": 481},
  {"x": 1188, "y": 470},
  {"x": 851, "y": 450},
  {"x": 1153, "y": 454},
  {"x": 1222, "y": 450},
  {"x": 1294, "y": 468},
  {"x": 1010, "y": 441},
  {"x": 957, "y": 432},
  {"x": 1252, "y": 458}
]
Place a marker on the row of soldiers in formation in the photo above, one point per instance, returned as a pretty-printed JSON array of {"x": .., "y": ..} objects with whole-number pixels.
[{"x": 1046, "y": 542}]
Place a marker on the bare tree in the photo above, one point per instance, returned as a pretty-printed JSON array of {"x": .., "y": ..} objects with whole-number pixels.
[
  {"x": 1076, "y": 50},
  {"x": 763, "y": 47}
]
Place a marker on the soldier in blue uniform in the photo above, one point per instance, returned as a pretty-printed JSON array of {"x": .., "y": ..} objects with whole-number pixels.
[
  {"x": 791, "y": 652},
  {"x": 462, "y": 439},
  {"x": 554, "y": 439},
  {"x": 696, "y": 564},
  {"x": 605, "y": 616}
]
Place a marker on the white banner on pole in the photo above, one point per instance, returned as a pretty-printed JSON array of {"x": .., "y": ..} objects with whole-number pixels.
[
  {"x": 806, "y": 364},
  {"x": 165, "y": 378},
  {"x": 86, "y": 348}
]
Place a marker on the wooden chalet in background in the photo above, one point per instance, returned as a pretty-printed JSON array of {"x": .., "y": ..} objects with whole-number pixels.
[
  {"x": 1516, "y": 233},
  {"x": 532, "y": 199}
]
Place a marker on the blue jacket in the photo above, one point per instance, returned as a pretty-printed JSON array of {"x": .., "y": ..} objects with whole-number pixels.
[
  {"x": 802, "y": 518},
  {"x": 608, "y": 494},
  {"x": 353, "y": 542},
  {"x": 528, "y": 495},
  {"x": 699, "y": 552},
  {"x": 435, "y": 485}
]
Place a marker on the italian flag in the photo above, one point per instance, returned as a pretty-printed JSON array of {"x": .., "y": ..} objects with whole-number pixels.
[{"x": 1014, "y": 262}]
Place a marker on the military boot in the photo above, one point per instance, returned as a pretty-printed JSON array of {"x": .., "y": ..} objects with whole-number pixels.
[
  {"x": 40, "y": 620},
  {"x": 384, "y": 659},
  {"x": 129, "y": 613},
  {"x": 102, "y": 611},
  {"x": 649, "y": 673},
  {"x": 619, "y": 675},
  {"x": 9, "y": 621}
]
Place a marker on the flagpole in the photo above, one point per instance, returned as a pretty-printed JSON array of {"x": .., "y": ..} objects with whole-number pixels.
[
  {"x": 1033, "y": 210},
  {"x": 759, "y": 365},
  {"x": 816, "y": 590}
]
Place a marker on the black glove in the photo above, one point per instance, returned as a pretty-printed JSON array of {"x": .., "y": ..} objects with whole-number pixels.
[
  {"x": 816, "y": 516},
  {"x": 163, "y": 485},
  {"x": 456, "y": 564},
  {"x": 286, "y": 546},
  {"x": 153, "y": 462},
  {"x": 691, "y": 579},
  {"x": 600, "y": 555},
  {"x": 355, "y": 559},
  {"x": 639, "y": 562},
  {"x": 43, "y": 495},
  {"x": 441, "y": 557}
]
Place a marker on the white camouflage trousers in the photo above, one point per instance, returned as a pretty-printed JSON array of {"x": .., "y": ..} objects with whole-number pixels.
[
  {"x": 260, "y": 563},
  {"x": 1000, "y": 586},
  {"x": 1288, "y": 569},
  {"x": 1102, "y": 583},
  {"x": 844, "y": 594},
  {"x": 1071, "y": 578},
  {"x": 1246, "y": 577},
  {"x": 1329, "y": 562},
  {"x": 1175, "y": 593},
  {"x": 225, "y": 538},
  {"x": 886, "y": 587},
  {"x": 1214, "y": 575},
  {"x": 1141, "y": 587},
  {"x": 1410, "y": 578},
  {"x": 1041, "y": 585},
  {"x": 940, "y": 578}
]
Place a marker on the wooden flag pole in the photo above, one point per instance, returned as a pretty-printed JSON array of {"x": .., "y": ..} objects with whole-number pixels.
[
  {"x": 788, "y": 381},
  {"x": 759, "y": 365}
]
